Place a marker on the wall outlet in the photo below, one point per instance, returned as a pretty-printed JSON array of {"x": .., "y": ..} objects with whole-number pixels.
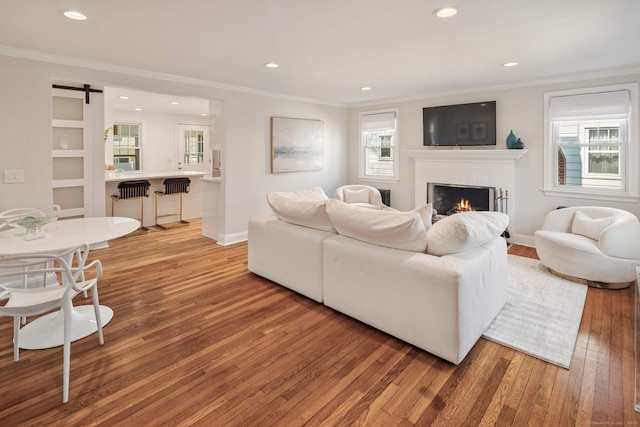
[{"x": 13, "y": 176}]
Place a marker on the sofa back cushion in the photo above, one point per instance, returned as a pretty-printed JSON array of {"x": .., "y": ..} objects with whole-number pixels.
[
  {"x": 305, "y": 207},
  {"x": 464, "y": 231},
  {"x": 393, "y": 229}
]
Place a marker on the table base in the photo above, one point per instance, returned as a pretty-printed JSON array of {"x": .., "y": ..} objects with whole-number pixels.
[{"x": 48, "y": 331}]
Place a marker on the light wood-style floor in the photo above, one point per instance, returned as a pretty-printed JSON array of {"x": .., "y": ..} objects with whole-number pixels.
[{"x": 198, "y": 340}]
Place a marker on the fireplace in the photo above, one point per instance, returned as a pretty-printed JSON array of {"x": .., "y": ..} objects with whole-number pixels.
[{"x": 448, "y": 199}]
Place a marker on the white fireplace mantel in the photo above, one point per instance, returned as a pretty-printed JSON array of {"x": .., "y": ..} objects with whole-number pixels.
[
  {"x": 474, "y": 155},
  {"x": 489, "y": 168}
]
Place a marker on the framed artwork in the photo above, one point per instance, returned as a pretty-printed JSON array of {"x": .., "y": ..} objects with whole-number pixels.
[
  {"x": 296, "y": 144},
  {"x": 462, "y": 131},
  {"x": 479, "y": 131}
]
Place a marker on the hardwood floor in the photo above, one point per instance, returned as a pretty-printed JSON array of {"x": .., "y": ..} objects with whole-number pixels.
[{"x": 198, "y": 340}]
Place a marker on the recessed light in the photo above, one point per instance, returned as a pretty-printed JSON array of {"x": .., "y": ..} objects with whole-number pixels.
[
  {"x": 445, "y": 12},
  {"x": 365, "y": 88},
  {"x": 510, "y": 64},
  {"x": 123, "y": 97},
  {"x": 137, "y": 109},
  {"x": 74, "y": 14},
  {"x": 173, "y": 103},
  {"x": 203, "y": 114},
  {"x": 271, "y": 65}
]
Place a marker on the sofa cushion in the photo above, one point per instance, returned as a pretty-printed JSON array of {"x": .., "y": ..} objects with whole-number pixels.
[
  {"x": 390, "y": 228},
  {"x": 464, "y": 231},
  {"x": 305, "y": 207},
  {"x": 589, "y": 227},
  {"x": 356, "y": 196}
]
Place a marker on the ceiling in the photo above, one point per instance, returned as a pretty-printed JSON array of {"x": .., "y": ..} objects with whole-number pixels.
[
  {"x": 328, "y": 49},
  {"x": 124, "y": 99}
]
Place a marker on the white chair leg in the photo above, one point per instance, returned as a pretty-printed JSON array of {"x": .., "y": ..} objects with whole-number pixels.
[
  {"x": 66, "y": 354},
  {"x": 96, "y": 308},
  {"x": 16, "y": 338}
]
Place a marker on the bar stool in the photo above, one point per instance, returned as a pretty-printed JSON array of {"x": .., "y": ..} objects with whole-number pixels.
[
  {"x": 172, "y": 186},
  {"x": 132, "y": 190}
]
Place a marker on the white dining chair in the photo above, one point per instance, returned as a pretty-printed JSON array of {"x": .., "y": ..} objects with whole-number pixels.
[
  {"x": 21, "y": 302},
  {"x": 8, "y": 219}
]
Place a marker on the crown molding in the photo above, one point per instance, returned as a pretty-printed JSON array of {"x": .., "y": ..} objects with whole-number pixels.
[{"x": 617, "y": 72}]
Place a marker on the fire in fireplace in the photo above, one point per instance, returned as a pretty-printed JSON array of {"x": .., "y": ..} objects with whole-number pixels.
[
  {"x": 463, "y": 206},
  {"x": 448, "y": 199}
]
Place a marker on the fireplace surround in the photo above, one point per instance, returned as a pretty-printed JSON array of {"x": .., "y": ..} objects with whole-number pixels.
[
  {"x": 447, "y": 199},
  {"x": 490, "y": 168}
]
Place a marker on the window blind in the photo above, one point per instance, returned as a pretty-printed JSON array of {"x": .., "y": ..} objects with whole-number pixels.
[
  {"x": 378, "y": 121},
  {"x": 593, "y": 105}
]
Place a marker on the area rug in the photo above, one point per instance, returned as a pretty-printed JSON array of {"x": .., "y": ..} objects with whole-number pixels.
[{"x": 542, "y": 314}]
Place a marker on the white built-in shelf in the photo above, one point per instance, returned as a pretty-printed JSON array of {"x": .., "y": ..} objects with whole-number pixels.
[{"x": 491, "y": 155}]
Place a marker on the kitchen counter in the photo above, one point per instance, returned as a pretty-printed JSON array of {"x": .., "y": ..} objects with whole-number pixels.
[
  {"x": 212, "y": 179},
  {"x": 115, "y": 176},
  {"x": 192, "y": 202}
]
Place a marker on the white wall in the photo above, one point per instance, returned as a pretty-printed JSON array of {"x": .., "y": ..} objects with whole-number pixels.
[
  {"x": 25, "y": 143},
  {"x": 520, "y": 109},
  {"x": 25, "y": 120}
]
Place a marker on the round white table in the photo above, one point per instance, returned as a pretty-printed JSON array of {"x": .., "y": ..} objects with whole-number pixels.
[{"x": 48, "y": 331}]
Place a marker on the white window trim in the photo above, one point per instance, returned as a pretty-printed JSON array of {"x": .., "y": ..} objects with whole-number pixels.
[
  {"x": 395, "y": 150},
  {"x": 629, "y": 167}
]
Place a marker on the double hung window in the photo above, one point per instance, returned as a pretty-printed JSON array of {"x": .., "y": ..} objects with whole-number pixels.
[
  {"x": 379, "y": 145},
  {"x": 589, "y": 150},
  {"x": 126, "y": 146}
]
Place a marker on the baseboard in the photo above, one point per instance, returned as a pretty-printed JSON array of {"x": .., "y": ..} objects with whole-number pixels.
[
  {"x": 230, "y": 239},
  {"x": 524, "y": 240}
]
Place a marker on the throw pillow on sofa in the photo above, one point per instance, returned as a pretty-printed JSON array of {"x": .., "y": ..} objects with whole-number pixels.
[
  {"x": 393, "y": 229},
  {"x": 589, "y": 227},
  {"x": 464, "y": 231},
  {"x": 304, "y": 207},
  {"x": 356, "y": 196}
]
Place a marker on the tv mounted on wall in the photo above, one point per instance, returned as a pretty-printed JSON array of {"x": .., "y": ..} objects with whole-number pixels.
[{"x": 460, "y": 125}]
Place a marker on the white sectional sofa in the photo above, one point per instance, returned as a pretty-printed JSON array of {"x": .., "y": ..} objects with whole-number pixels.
[{"x": 441, "y": 302}]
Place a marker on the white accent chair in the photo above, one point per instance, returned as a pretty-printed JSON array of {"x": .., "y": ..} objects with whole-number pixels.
[
  {"x": 596, "y": 246},
  {"x": 22, "y": 302},
  {"x": 361, "y": 194}
]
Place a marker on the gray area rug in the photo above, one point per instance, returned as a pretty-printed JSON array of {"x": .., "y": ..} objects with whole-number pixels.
[{"x": 542, "y": 314}]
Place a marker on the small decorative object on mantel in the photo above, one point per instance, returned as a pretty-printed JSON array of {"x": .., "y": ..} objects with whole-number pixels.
[
  {"x": 519, "y": 145},
  {"x": 511, "y": 140}
]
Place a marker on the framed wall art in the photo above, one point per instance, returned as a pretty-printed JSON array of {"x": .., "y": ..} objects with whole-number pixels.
[{"x": 296, "y": 144}]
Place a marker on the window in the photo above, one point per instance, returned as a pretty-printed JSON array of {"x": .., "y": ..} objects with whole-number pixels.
[
  {"x": 193, "y": 147},
  {"x": 588, "y": 149},
  {"x": 379, "y": 147},
  {"x": 126, "y": 146}
]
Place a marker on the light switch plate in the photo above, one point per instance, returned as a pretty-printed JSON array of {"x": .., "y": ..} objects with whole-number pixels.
[{"x": 13, "y": 176}]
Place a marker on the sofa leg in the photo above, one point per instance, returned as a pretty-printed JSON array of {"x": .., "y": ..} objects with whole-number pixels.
[{"x": 591, "y": 283}]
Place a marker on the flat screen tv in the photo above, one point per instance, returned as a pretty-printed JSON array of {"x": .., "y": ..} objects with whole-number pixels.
[{"x": 460, "y": 125}]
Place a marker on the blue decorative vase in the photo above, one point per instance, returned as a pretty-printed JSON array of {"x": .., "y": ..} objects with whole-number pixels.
[
  {"x": 511, "y": 140},
  {"x": 519, "y": 145}
]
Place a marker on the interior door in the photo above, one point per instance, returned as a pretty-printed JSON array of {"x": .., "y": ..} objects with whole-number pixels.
[
  {"x": 193, "y": 148},
  {"x": 72, "y": 153}
]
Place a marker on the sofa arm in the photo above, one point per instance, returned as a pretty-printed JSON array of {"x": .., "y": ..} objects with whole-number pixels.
[
  {"x": 621, "y": 239},
  {"x": 559, "y": 220}
]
